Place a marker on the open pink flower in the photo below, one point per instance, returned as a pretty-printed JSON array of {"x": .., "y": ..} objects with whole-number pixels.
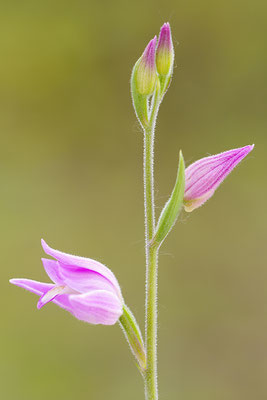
[
  {"x": 84, "y": 287},
  {"x": 204, "y": 176}
]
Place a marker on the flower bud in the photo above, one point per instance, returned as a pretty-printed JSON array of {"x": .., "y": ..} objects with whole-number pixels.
[
  {"x": 204, "y": 176},
  {"x": 145, "y": 73},
  {"x": 165, "y": 52}
]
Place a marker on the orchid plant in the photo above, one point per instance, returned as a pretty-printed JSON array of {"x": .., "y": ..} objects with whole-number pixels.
[{"x": 88, "y": 289}]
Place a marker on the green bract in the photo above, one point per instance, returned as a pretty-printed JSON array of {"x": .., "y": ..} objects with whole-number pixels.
[{"x": 173, "y": 206}]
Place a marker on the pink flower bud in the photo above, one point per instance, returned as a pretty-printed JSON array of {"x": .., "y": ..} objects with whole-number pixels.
[
  {"x": 146, "y": 70},
  {"x": 204, "y": 176},
  {"x": 165, "y": 52}
]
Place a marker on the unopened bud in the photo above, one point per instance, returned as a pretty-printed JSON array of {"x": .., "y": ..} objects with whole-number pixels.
[
  {"x": 146, "y": 70},
  {"x": 165, "y": 52},
  {"x": 204, "y": 176}
]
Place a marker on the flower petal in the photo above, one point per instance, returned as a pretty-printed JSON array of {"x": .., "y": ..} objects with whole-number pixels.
[
  {"x": 190, "y": 205},
  {"x": 97, "y": 307},
  {"x": 84, "y": 280},
  {"x": 52, "y": 269},
  {"x": 82, "y": 262},
  {"x": 41, "y": 289},
  {"x": 63, "y": 301},
  {"x": 204, "y": 176},
  {"x": 51, "y": 295},
  {"x": 36, "y": 287}
]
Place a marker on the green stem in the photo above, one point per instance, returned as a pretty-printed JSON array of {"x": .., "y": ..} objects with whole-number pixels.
[
  {"x": 151, "y": 388},
  {"x": 150, "y": 375}
]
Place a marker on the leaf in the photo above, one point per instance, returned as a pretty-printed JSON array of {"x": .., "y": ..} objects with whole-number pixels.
[{"x": 173, "y": 206}]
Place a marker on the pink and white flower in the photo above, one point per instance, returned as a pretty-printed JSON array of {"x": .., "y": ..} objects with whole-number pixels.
[{"x": 84, "y": 287}]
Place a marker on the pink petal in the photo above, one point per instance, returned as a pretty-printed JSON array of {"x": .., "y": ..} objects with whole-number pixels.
[
  {"x": 84, "y": 280},
  {"x": 204, "y": 176},
  {"x": 63, "y": 301},
  {"x": 190, "y": 205},
  {"x": 76, "y": 261},
  {"x": 40, "y": 289},
  {"x": 98, "y": 307},
  {"x": 50, "y": 295},
  {"x": 36, "y": 287},
  {"x": 52, "y": 269}
]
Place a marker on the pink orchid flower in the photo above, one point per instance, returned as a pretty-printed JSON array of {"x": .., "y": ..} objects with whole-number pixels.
[
  {"x": 204, "y": 176},
  {"x": 84, "y": 287}
]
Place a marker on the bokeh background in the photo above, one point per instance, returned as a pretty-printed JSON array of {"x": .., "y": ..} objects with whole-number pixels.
[{"x": 71, "y": 172}]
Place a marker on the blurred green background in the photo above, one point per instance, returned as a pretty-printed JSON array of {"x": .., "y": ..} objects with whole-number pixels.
[{"x": 71, "y": 172}]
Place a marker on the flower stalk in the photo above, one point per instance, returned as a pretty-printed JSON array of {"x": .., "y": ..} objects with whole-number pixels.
[
  {"x": 151, "y": 266},
  {"x": 152, "y": 248},
  {"x": 146, "y": 105}
]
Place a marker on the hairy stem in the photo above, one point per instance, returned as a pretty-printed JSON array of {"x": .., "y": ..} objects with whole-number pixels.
[{"x": 150, "y": 376}]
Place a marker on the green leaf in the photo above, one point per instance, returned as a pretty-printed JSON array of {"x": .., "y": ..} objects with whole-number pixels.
[{"x": 173, "y": 206}]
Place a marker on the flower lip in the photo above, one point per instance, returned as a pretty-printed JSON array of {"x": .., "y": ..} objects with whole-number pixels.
[{"x": 51, "y": 295}]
